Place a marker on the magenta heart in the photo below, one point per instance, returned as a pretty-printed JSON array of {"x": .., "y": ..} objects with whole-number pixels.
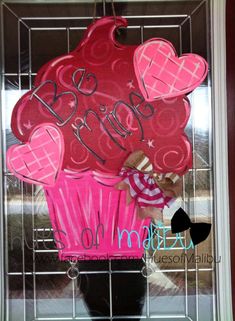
[
  {"x": 38, "y": 161},
  {"x": 162, "y": 74}
]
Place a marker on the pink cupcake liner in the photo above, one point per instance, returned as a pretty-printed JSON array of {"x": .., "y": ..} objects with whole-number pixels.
[{"x": 91, "y": 219}]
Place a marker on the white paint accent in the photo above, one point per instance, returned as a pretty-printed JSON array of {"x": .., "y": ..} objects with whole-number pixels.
[
  {"x": 143, "y": 163},
  {"x": 149, "y": 168}
]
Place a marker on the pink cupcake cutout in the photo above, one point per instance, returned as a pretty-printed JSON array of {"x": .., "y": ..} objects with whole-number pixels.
[{"x": 94, "y": 107}]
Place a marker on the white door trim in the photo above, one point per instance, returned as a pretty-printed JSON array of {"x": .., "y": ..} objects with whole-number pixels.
[{"x": 222, "y": 226}]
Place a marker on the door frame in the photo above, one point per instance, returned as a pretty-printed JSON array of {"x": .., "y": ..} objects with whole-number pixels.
[
  {"x": 2, "y": 251},
  {"x": 230, "y": 9},
  {"x": 221, "y": 169}
]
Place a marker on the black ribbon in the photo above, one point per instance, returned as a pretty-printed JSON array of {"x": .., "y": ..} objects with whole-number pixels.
[{"x": 181, "y": 222}]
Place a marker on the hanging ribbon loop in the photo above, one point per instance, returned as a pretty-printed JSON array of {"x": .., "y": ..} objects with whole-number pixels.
[{"x": 104, "y": 10}]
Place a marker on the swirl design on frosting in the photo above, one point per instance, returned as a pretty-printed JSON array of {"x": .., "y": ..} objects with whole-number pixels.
[{"x": 92, "y": 94}]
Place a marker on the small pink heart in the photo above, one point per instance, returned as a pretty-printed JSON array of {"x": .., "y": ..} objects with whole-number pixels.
[
  {"x": 38, "y": 161},
  {"x": 162, "y": 74}
]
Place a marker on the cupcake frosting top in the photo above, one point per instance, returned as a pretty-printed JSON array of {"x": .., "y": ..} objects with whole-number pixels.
[{"x": 92, "y": 95}]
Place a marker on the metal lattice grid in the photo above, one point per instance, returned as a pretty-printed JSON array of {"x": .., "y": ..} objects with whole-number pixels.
[{"x": 25, "y": 270}]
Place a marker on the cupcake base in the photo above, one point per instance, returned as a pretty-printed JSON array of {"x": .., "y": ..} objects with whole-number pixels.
[{"x": 91, "y": 220}]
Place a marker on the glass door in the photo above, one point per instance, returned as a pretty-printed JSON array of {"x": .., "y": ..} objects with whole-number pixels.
[{"x": 184, "y": 281}]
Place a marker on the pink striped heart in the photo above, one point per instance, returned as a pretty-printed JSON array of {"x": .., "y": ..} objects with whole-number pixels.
[
  {"x": 38, "y": 161},
  {"x": 162, "y": 74}
]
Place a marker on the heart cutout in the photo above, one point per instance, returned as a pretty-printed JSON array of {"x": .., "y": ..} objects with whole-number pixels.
[
  {"x": 162, "y": 74},
  {"x": 38, "y": 161}
]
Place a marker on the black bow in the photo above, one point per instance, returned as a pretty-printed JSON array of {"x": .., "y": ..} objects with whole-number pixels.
[{"x": 181, "y": 222}]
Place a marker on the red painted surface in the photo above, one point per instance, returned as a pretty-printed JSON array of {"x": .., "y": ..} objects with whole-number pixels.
[{"x": 92, "y": 95}]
